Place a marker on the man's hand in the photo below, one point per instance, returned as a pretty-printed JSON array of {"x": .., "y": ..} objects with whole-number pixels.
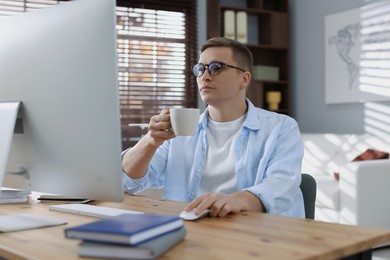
[
  {"x": 160, "y": 128},
  {"x": 222, "y": 205}
]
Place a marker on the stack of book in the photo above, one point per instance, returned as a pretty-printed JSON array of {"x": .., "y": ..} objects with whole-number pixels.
[
  {"x": 128, "y": 236},
  {"x": 8, "y": 195}
]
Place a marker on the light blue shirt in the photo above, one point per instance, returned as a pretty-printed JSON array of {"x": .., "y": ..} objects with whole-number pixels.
[{"x": 268, "y": 158}]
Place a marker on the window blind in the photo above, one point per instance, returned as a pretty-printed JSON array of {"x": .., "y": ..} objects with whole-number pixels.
[
  {"x": 156, "y": 49},
  {"x": 151, "y": 61},
  {"x": 12, "y": 7}
]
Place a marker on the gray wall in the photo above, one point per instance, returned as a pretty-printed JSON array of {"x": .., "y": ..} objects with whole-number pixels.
[{"x": 308, "y": 76}]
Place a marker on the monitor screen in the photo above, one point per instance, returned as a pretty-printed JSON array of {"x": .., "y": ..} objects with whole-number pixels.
[{"x": 60, "y": 63}]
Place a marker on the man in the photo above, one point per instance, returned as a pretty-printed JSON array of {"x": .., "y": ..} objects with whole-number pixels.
[{"x": 241, "y": 158}]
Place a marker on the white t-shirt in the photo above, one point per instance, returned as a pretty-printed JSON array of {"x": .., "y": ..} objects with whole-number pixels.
[{"x": 219, "y": 175}]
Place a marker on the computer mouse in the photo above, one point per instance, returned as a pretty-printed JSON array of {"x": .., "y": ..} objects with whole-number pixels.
[{"x": 190, "y": 215}]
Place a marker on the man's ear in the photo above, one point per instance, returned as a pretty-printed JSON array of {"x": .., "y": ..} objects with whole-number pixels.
[{"x": 246, "y": 79}]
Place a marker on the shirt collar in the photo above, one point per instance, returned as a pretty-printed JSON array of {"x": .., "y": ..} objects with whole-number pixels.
[{"x": 252, "y": 120}]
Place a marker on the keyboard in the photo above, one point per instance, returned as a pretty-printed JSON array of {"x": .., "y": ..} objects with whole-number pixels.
[{"x": 91, "y": 210}]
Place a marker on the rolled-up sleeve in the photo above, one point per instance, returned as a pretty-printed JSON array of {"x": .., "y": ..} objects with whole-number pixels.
[{"x": 153, "y": 176}]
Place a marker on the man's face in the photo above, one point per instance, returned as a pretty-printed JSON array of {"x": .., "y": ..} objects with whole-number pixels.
[{"x": 227, "y": 87}]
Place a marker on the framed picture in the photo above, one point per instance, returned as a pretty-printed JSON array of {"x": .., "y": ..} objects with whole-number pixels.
[{"x": 357, "y": 55}]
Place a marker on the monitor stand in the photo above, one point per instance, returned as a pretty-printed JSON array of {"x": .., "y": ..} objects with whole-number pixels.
[{"x": 8, "y": 115}]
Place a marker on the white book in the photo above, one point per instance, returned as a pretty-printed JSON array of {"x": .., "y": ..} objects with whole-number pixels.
[
  {"x": 229, "y": 24},
  {"x": 242, "y": 27}
]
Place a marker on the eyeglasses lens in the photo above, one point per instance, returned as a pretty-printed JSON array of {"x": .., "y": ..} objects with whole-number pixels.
[
  {"x": 198, "y": 69},
  {"x": 213, "y": 68}
]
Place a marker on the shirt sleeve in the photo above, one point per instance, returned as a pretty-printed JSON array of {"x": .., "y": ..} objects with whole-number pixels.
[{"x": 154, "y": 175}]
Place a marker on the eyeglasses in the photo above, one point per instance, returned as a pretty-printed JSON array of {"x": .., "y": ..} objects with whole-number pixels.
[{"x": 214, "y": 68}]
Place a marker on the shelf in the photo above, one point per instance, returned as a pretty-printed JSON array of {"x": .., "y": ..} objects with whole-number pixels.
[
  {"x": 268, "y": 40},
  {"x": 251, "y": 10},
  {"x": 267, "y": 47},
  {"x": 279, "y": 82},
  {"x": 266, "y": 5}
]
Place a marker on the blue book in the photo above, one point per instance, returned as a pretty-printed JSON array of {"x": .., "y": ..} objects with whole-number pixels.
[
  {"x": 129, "y": 229},
  {"x": 150, "y": 249}
]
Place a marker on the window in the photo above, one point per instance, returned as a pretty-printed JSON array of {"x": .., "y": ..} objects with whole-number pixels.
[{"x": 156, "y": 49}]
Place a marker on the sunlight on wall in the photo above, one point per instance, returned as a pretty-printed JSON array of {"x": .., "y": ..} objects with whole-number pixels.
[
  {"x": 377, "y": 120},
  {"x": 374, "y": 74},
  {"x": 375, "y": 66}
]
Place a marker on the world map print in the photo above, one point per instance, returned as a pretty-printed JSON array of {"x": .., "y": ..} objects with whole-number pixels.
[
  {"x": 345, "y": 40},
  {"x": 357, "y": 55}
]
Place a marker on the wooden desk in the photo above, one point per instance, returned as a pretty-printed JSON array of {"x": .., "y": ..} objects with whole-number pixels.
[{"x": 248, "y": 235}]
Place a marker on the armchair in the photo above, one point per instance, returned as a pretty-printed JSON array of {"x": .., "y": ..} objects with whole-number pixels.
[{"x": 360, "y": 195}]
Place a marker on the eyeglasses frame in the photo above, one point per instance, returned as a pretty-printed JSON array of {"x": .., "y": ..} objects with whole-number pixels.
[{"x": 218, "y": 62}]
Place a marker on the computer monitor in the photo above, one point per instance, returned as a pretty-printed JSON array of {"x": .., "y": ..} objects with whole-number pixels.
[{"x": 60, "y": 63}]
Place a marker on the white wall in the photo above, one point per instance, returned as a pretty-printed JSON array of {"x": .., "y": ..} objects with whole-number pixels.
[{"x": 308, "y": 70}]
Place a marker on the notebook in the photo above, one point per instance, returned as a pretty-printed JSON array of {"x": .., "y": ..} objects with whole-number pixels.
[
  {"x": 129, "y": 229},
  {"x": 16, "y": 222}
]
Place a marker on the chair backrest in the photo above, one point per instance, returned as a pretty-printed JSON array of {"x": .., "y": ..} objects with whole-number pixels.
[{"x": 309, "y": 190}]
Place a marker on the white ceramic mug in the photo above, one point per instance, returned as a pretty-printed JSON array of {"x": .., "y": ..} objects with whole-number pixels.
[{"x": 184, "y": 120}]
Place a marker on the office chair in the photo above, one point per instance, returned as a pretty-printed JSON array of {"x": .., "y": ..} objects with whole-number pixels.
[{"x": 309, "y": 189}]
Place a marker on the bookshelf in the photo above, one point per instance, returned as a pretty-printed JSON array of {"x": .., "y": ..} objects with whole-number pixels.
[{"x": 268, "y": 39}]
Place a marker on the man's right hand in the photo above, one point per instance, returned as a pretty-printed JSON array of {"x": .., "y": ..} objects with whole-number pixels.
[{"x": 160, "y": 128}]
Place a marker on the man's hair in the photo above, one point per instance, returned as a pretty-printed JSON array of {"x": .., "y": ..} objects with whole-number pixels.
[{"x": 241, "y": 53}]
